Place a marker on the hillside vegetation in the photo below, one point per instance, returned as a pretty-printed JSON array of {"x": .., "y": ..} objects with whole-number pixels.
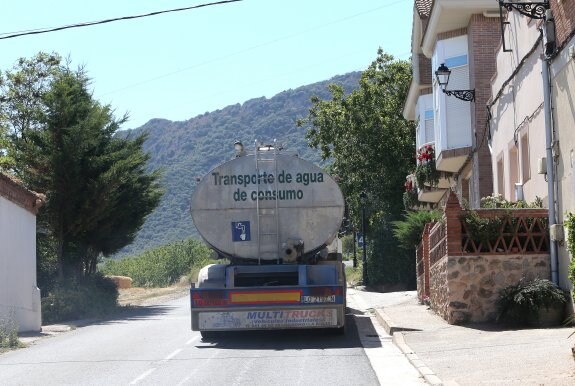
[
  {"x": 161, "y": 266},
  {"x": 190, "y": 149}
]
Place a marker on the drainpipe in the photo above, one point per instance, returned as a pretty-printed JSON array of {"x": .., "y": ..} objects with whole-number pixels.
[{"x": 550, "y": 164}]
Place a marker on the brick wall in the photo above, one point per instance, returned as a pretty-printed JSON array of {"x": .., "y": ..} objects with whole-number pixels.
[
  {"x": 452, "y": 34},
  {"x": 564, "y": 13},
  {"x": 424, "y": 70},
  {"x": 484, "y": 36}
]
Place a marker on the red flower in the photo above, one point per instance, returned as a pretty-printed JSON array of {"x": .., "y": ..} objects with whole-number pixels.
[{"x": 408, "y": 185}]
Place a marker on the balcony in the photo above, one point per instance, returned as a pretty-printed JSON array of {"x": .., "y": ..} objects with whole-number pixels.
[
  {"x": 430, "y": 194},
  {"x": 431, "y": 183},
  {"x": 452, "y": 160},
  {"x": 449, "y": 15}
]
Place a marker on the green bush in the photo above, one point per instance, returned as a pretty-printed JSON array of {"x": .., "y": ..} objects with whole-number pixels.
[
  {"x": 497, "y": 201},
  {"x": 46, "y": 263},
  {"x": 8, "y": 334},
  {"x": 93, "y": 297},
  {"x": 520, "y": 302},
  {"x": 354, "y": 275},
  {"x": 408, "y": 231},
  {"x": 388, "y": 263},
  {"x": 162, "y": 266},
  {"x": 482, "y": 229},
  {"x": 410, "y": 199}
]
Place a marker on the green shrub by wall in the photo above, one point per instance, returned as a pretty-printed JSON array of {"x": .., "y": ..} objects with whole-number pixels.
[{"x": 95, "y": 296}]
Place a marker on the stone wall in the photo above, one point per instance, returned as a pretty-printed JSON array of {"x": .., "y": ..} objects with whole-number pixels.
[
  {"x": 438, "y": 288},
  {"x": 420, "y": 272},
  {"x": 464, "y": 282},
  {"x": 472, "y": 283}
]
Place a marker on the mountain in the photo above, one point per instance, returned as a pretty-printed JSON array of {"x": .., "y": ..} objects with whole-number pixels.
[{"x": 189, "y": 149}]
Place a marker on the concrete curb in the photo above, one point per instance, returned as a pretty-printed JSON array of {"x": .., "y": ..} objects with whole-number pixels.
[
  {"x": 398, "y": 339},
  {"x": 388, "y": 325},
  {"x": 425, "y": 371}
]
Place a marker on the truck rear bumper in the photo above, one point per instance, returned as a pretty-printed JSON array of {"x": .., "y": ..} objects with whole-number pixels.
[
  {"x": 268, "y": 318},
  {"x": 264, "y": 309}
]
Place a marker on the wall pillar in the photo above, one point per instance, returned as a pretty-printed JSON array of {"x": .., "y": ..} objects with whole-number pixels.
[{"x": 453, "y": 225}]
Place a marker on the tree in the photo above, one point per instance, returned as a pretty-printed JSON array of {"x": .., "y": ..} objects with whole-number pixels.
[
  {"x": 347, "y": 244},
  {"x": 127, "y": 193},
  {"x": 21, "y": 106},
  {"x": 409, "y": 230},
  {"x": 372, "y": 149},
  {"x": 97, "y": 186}
]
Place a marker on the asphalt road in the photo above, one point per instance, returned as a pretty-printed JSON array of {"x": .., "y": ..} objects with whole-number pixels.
[{"x": 154, "y": 346}]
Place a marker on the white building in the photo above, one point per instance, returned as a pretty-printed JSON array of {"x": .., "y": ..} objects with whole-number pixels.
[{"x": 19, "y": 294}]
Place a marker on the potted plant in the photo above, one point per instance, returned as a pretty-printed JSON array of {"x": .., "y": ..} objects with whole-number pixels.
[
  {"x": 425, "y": 171},
  {"x": 410, "y": 194},
  {"x": 536, "y": 302}
]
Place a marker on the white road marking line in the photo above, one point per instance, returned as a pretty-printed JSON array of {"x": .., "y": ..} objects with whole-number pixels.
[
  {"x": 192, "y": 340},
  {"x": 194, "y": 371},
  {"x": 141, "y": 377},
  {"x": 171, "y": 355},
  {"x": 185, "y": 380}
]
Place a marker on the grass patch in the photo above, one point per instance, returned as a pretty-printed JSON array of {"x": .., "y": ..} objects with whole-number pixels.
[
  {"x": 354, "y": 275},
  {"x": 9, "y": 335}
]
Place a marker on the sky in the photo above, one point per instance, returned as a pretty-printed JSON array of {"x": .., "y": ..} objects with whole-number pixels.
[{"x": 178, "y": 65}]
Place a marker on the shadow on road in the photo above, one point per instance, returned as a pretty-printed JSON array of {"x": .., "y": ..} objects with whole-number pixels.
[{"x": 129, "y": 313}]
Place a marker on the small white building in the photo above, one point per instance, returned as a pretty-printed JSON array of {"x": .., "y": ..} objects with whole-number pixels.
[{"x": 19, "y": 294}]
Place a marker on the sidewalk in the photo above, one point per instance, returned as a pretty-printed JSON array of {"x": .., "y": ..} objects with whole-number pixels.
[{"x": 473, "y": 354}]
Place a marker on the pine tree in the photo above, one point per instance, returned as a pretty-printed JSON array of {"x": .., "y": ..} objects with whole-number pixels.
[{"x": 97, "y": 186}]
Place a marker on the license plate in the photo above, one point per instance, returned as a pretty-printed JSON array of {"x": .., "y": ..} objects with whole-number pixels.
[{"x": 318, "y": 299}]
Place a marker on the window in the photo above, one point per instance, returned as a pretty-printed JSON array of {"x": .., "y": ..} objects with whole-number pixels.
[
  {"x": 525, "y": 167},
  {"x": 428, "y": 124},
  {"x": 513, "y": 171},
  {"x": 456, "y": 61},
  {"x": 465, "y": 190},
  {"x": 500, "y": 180}
]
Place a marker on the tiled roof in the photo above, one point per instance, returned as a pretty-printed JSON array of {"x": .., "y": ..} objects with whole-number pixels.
[
  {"x": 423, "y": 7},
  {"x": 15, "y": 191}
]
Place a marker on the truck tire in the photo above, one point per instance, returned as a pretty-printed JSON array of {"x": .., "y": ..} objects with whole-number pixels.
[
  {"x": 207, "y": 335},
  {"x": 338, "y": 330}
]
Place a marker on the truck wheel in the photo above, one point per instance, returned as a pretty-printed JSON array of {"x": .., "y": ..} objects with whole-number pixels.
[
  {"x": 338, "y": 330},
  {"x": 209, "y": 334}
]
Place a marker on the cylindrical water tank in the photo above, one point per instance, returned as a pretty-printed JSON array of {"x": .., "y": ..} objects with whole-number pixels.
[{"x": 266, "y": 213}]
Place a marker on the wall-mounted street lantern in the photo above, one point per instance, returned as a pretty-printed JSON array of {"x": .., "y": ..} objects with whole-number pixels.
[{"x": 442, "y": 75}]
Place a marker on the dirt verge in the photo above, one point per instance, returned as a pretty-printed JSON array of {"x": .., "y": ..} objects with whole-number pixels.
[{"x": 146, "y": 296}]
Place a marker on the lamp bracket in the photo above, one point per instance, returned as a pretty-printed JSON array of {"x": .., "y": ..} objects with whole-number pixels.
[
  {"x": 464, "y": 95},
  {"x": 533, "y": 10}
]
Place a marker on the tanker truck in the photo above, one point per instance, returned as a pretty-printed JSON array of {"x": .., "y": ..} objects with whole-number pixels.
[{"x": 274, "y": 218}]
